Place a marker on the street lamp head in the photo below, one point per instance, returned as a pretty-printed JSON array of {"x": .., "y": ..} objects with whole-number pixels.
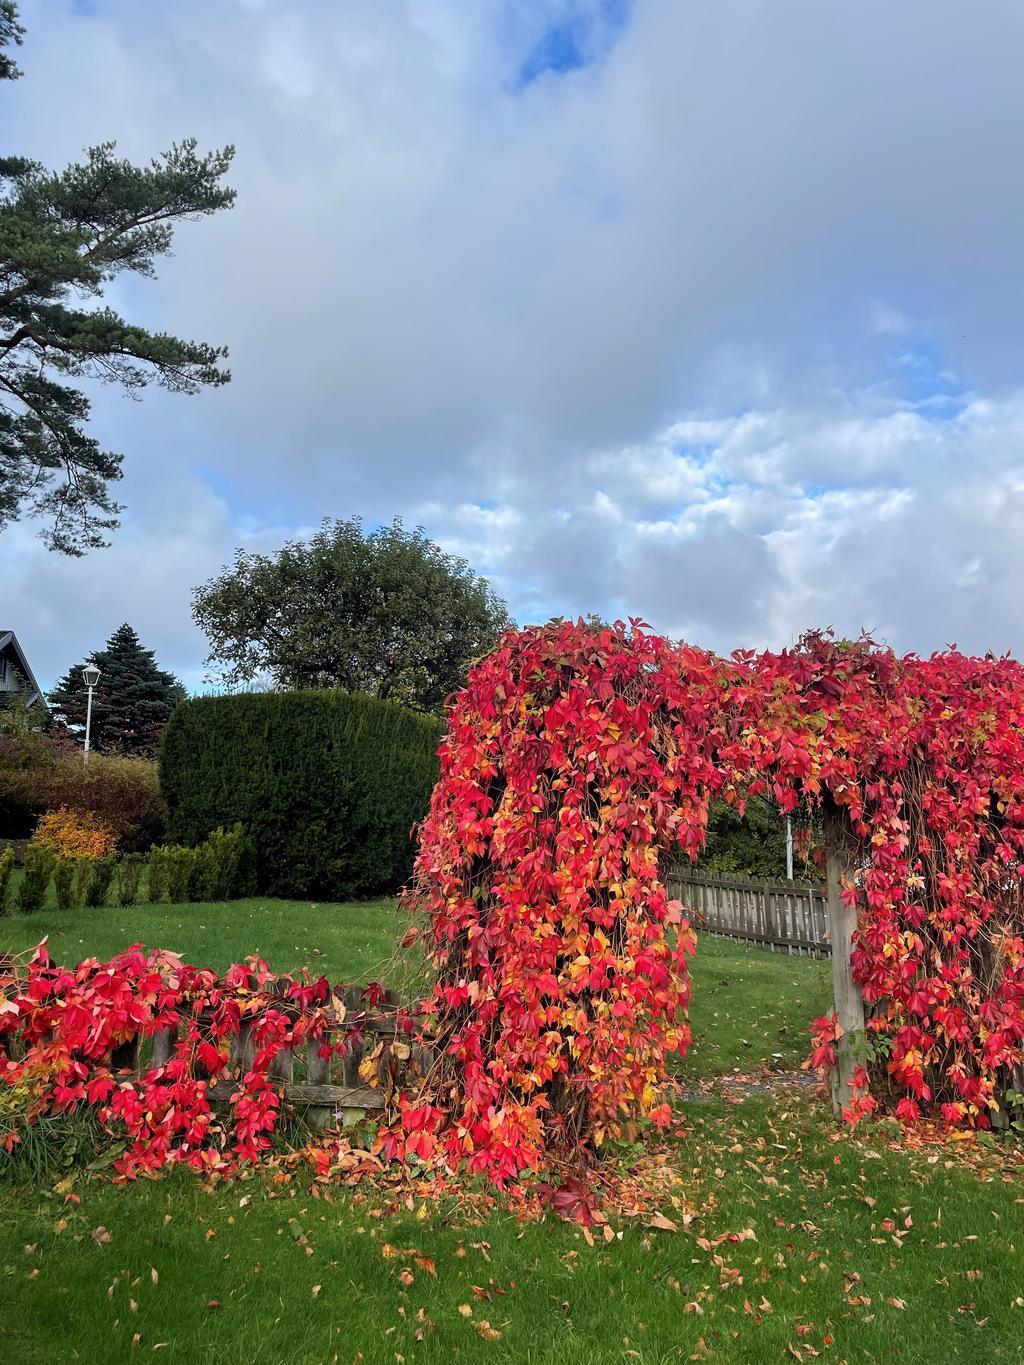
[{"x": 91, "y": 675}]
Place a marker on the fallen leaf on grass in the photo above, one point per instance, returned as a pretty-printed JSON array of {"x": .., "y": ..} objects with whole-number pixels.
[{"x": 658, "y": 1220}]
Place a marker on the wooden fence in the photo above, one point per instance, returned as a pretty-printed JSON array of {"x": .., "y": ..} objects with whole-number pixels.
[
  {"x": 787, "y": 917},
  {"x": 332, "y": 1091}
]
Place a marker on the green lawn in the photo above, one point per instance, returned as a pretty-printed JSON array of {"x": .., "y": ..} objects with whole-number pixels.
[
  {"x": 349, "y": 941},
  {"x": 750, "y": 1008},
  {"x": 860, "y": 1251}
]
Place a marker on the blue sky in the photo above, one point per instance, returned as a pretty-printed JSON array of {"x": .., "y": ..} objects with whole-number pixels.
[
  {"x": 708, "y": 314},
  {"x": 571, "y": 38}
]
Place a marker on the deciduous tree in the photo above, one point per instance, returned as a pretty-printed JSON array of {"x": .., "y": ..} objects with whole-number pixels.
[{"x": 386, "y": 612}]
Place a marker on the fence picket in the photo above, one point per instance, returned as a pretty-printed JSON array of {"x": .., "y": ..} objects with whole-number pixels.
[{"x": 787, "y": 917}]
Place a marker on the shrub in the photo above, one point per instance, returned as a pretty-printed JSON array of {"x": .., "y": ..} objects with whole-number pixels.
[
  {"x": 40, "y": 773},
  {"x": 75, "y": 834},
  {"x": 157, "y": 888},
  {"x": 327, "y": 786},
  {"x": 181, "y": 868},
  {"x": 83, "y": 877},
  {"x": 59, "y": 1098},
  {"x": 64, "y": 880},
  {"x": 25, "y": 756},
  {"x": 35, "y": 881},
  {"x": 129, "y": 876},
  {"x": 98, "y": 891},
  {"x": 6, "y": 870},
  {"x": 216, "y": 876},
  {"x": 209, "y": 872}
]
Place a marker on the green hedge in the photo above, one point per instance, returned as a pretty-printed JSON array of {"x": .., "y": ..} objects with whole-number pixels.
[{"x": 326, "y": 784}]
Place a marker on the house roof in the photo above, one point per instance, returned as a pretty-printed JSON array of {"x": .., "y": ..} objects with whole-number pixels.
[{"x": 9, "y": 643}]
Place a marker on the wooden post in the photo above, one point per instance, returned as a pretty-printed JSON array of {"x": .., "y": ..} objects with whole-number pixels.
[
  {"x": 164, "y": 1041},
  {"x": 243, "y": 1048},
  {"x": 842, "y": 919},
  {"x": 318, "y": 1072},
  {"x": 282, "y": 1065}
]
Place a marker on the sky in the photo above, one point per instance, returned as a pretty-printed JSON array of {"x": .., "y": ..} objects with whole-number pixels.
[{"x": 705, "y": 313}]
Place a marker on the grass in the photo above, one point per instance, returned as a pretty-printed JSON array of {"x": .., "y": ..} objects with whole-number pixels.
[
  {"x": 751, "y": 1008},
  {"x": 863, "y": 1250},
  {"x": 351, "y": 941},
  {"x": 859, "y": 1253}
]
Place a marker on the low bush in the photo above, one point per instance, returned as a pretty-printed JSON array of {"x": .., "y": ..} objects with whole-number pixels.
[
  {"x": 216, "y": 875},
  {"x": 64, "y": 883},
  {"x": 129, "y": 878},
  {"x": 327, "y": 785},
  {"x": 25, "y": 754},
  {"x": 6, "y": 872},
  {"x": 182, "y": 864},
  {"x": 157, "y": 874},
  {"x": 83, "y": 878},
  {"x": 209, "y": 872},
  {"x": 98, "y": 891},
  {"x": 35, "y": 881},
  {"x": 75, "y": 834},
  {"x": 43, "y": 772}
]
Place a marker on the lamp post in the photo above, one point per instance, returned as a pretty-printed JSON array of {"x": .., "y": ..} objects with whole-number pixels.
[{"x": 90, "y": 676}]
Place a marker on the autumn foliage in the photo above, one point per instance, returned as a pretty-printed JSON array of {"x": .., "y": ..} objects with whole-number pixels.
[
  {"x": 75, "y": 834},
  {"x": 79, "y": 1033},
  {"x": 578, "y": 758}
]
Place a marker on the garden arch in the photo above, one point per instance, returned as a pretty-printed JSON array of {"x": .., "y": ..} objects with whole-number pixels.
[{"x": 577, "y": 756}]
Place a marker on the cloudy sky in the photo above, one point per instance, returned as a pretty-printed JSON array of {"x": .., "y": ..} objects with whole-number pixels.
[{"x": 705, "y": 312}]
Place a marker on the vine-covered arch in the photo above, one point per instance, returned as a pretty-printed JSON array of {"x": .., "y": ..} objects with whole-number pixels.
[{"x": 578, "y": 756}]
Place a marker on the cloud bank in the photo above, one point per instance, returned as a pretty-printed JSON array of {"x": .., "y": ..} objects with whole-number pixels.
[{"x": 704, "y": 314}]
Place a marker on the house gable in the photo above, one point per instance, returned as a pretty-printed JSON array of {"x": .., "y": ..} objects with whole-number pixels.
[{"x": 15, "y": 673}]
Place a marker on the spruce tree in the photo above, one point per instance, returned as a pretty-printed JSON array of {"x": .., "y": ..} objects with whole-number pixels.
[{"x": 132, "y": 702}]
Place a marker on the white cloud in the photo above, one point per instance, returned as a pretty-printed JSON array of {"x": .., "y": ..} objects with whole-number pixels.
[
  {"x": 926, "y": 552},
  {"x": 767, "y": 233}
]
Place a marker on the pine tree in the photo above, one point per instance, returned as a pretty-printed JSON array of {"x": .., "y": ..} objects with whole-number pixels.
[
  {"x": 65, "y": 237},
  {"x": 132, "y": 702}
]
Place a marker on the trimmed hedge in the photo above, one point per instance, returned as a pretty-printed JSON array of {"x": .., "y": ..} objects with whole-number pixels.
[{"x": 326, "y": 784}]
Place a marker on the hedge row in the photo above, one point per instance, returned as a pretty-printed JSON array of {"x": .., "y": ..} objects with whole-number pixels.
[{"x": 327, "y": 785}]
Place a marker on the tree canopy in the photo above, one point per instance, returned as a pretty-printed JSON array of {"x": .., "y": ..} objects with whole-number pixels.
[
  {"x": 386, "y": 612},
  {"x": 133, "y": 699},
  {"x": 751, "y": 843},
  {"x": 64, "y": 236}
]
